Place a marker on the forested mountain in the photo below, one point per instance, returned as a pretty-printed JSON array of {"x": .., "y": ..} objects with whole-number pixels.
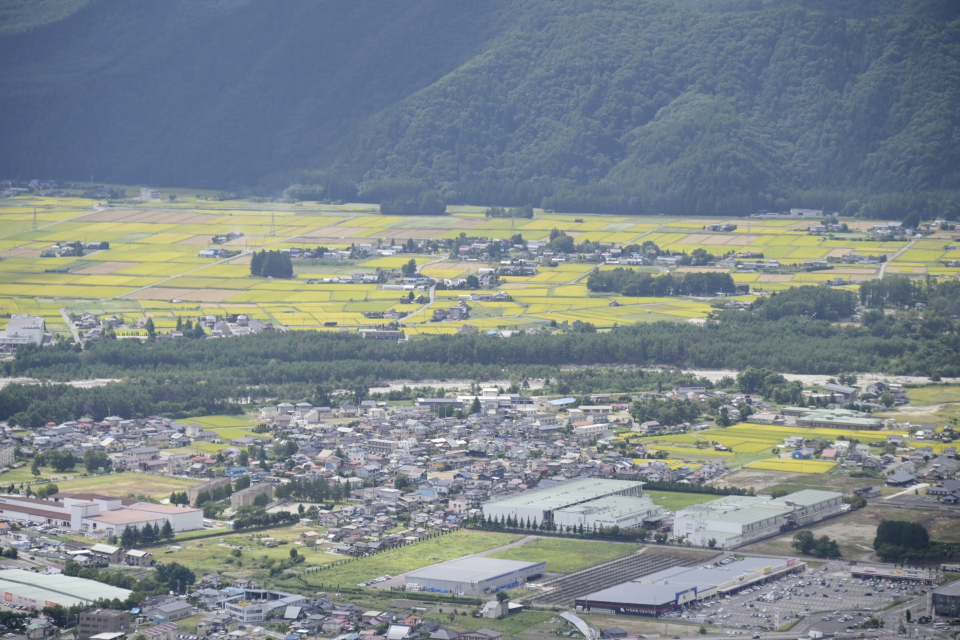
[{"x": 692, "y": 106}]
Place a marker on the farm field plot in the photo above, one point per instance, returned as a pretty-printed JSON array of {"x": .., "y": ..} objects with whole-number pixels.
[
  {"x": 567, "y": 556},
  {"x": 799, "y": 466},
  {"x": 402, "y": 559},
  {"x": 153, "y": 260}
]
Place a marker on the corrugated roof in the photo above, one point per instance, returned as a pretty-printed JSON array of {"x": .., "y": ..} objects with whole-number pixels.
[
  {"x": 64, "y": 590},
  {"x": 470, "y": 569},
  {"x": 565, "y": 494}
]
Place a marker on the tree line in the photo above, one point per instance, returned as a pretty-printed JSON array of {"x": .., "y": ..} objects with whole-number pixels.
[
  {"x": 631, "y": 282},
  {"x": 180, "y": 378}
]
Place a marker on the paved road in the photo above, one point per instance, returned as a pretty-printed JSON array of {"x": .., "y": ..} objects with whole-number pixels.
[
  {"x": 883, "y": 267},
  {"x": 73, "y": 329}
]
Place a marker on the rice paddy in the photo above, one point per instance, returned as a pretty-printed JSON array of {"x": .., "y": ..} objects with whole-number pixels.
[
  {"x": 153, "y": 268},
  {"x": 757, "y": 446}
]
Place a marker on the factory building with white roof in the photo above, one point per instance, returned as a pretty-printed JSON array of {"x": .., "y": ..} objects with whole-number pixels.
[
  {"x": 736, "y": 520},
  {"x": 590, "y": 502}
]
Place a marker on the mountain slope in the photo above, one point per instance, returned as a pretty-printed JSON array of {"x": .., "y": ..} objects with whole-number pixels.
[{"x": 613, "y": 105}]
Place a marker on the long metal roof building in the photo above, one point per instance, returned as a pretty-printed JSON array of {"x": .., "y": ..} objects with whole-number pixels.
[{"x": 38, "y": 590}]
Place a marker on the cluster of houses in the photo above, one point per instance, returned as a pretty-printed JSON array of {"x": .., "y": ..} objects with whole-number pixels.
[
  {"x": 70, "y": 250},
  {"x": 240, "y": 608}
]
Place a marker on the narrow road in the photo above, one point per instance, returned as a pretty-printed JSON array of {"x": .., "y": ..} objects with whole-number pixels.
[
  {"x": 433, "y": 295},
  {"x": 73, "y": 329},
  {"x": 883, "y": 267}
]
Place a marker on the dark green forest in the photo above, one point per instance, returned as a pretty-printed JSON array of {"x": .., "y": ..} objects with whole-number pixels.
[{"x": 627, "y": 106}]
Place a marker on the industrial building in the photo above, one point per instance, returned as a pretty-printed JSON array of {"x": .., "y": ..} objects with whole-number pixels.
[
  {"x": 586, "y": 501},
  {"x": 23, "y": 329},
  {"x": 626, "y": 512},
  {"x": 90, "y": 513},
  {"x": 38, "y": 590},
  {"x": 672, "y": 589},
  {"x": 815, "y": 418},
  {"x": 946, "y": 600},
  {"x": 96, "y": 621},
  {"x": 735, "y": 520},
  {"x": 473, "y": 575}
]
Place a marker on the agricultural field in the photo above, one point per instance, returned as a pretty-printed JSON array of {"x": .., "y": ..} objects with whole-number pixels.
[
  {"x": 152, "y": 268},
  {"x": 752, "y": 446}
]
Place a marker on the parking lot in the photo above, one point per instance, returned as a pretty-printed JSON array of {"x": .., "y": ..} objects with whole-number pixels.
[{"x": 827, "y": 596}]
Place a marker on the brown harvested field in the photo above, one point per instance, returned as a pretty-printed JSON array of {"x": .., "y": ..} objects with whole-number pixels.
[
  {"x": 774, "y": 277},
  {"x": 171, "y": 217},
  {"x": 838, "y": 253},
  {"x": 116, "y": 215},
  {"x": 22, "y": 253},
  {"x": 200, "y": 240},
  {"x": 160, "y": 293},
  {"x": 252, "y": 241},
  {"x": 743, "y": 240},
  {"x": 697, "y": 238},
  {"x": 717, "y": 239},
  {"x": 106, "y": 268}
]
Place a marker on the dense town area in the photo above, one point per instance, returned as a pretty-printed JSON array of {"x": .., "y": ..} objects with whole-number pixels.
[{"x": 394, "y": 519}]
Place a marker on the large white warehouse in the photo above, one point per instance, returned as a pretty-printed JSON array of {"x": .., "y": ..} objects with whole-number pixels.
[
  {"x": 734, "y": 520},
  {"x": 587, "y": 501},
  {"x": 91, "y": 513}
]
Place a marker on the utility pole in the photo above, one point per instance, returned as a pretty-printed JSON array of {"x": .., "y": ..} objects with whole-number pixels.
[{"x": 34, "y": 219}]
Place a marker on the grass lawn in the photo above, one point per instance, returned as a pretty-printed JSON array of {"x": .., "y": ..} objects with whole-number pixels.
[
  {"x": 934, "y": 394},
  {"x": 741, "y": 459},
  {"x": 674, "y": 500},
  {"x": 567, "y": 556},
  {"x": 403, "y": 559},
  {"x": 512, "y": 625},
  {"x": 23, "y": 474},
  {"x": 217, "y": 553},
  {"x": 123, "y": 484},
  {"x": 189, "y": 625}
]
